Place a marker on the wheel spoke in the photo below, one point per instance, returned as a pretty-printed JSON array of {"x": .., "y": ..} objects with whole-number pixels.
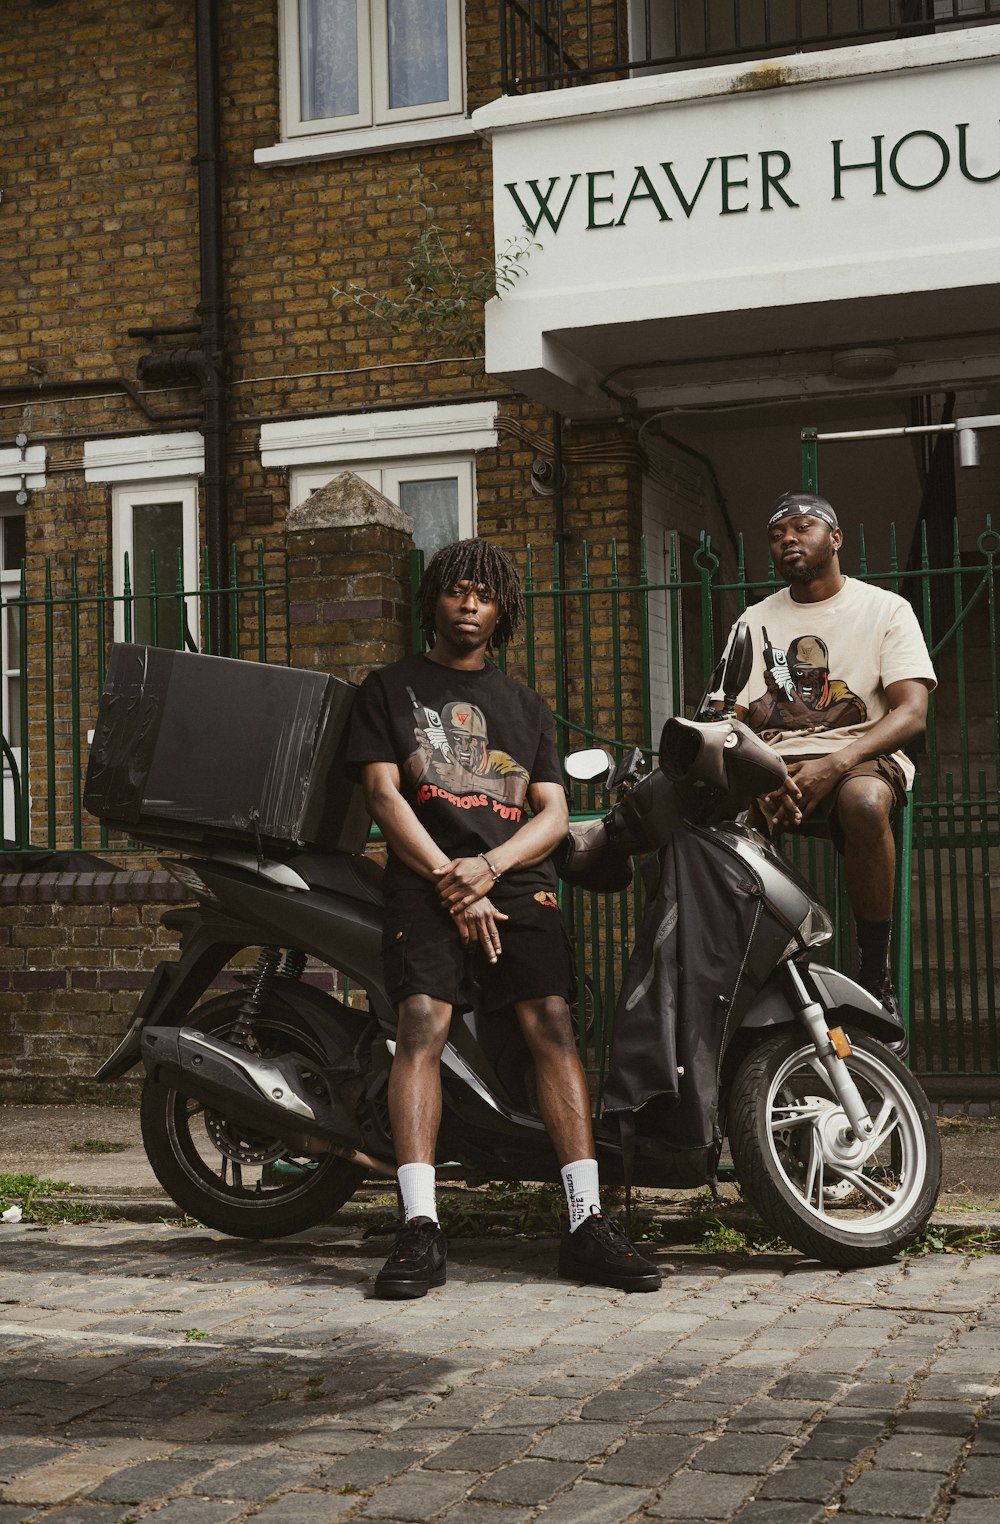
[
  {"x": 881, "y": 1195},
  {"x": 814, "y": 1174},
  {"x": 797, "y": 1116}
]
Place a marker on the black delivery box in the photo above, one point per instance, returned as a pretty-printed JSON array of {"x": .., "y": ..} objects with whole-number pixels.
[{"x": 191, "y": 748}]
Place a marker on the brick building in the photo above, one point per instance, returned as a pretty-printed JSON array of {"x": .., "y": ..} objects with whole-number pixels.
[{"x": 202, "y": 202}]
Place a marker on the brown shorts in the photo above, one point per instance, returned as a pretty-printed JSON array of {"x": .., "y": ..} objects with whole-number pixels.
[{"x": 824, "y": 820}]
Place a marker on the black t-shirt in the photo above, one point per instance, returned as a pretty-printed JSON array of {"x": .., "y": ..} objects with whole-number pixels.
[{"x": 467, "y": 744}]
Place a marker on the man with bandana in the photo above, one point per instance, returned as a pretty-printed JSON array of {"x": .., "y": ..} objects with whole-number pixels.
[{"x": 839, "y": 685}]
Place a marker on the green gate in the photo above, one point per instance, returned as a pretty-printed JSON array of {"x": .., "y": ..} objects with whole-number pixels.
[{"x": 616, "y": 643}]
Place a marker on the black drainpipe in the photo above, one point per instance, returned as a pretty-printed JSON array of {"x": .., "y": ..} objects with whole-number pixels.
[{"x": 207, "y": 362}]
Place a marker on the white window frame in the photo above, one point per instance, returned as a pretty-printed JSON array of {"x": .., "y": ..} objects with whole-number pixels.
[
  {"x": 376, "y": 122},
  {"x": 125, "y": 498},
  {"x": 10, "y": 587},
  {"x": 386, "y": 478},
  {"x": 415, "y": 444}
]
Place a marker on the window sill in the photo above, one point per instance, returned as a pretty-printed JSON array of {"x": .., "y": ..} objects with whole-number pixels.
[{"x": 343, "y": 145}]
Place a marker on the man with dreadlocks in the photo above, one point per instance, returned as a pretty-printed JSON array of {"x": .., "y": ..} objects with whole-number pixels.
[{"x": 450, "y": 751}]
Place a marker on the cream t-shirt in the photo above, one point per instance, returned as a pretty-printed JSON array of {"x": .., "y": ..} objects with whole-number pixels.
[{"x": 820, "y": 670}]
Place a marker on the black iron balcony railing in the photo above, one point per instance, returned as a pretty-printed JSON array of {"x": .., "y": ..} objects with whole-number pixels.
[{"x": 548, "y": 44}]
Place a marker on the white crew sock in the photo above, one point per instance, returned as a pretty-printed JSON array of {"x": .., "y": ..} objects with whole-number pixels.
[
  {"x": 583, "y": 1190},
  {"x": 417, "y": 1187}
]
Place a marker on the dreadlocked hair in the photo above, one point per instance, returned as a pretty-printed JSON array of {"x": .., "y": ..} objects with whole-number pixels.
[{"x": 479, "y": 562}]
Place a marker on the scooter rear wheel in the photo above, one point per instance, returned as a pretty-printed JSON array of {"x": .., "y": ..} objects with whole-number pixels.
[
  {"x": 836, "y": 1199},
  {"x": 227, "y": 1176}
]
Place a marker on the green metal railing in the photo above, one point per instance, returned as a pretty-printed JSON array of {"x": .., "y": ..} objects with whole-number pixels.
[
  {"x": 57, "y": 632},
  {"x": 612, "y": 672}
]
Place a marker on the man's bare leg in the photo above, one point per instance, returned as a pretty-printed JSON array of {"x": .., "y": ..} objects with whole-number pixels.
[
  {"x": 419, "y": 1256},
  {"x": 563, "y": 1098},
  {"x": 864, "y": 810}
]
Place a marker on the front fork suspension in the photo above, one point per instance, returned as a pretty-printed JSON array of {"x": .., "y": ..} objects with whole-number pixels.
[{"x": 813, "y": 1017}]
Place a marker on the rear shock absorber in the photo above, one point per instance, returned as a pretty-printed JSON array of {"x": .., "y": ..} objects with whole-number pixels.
[
  {"x": 294, "y": 965},
  {"x": 261, "y": 981}
]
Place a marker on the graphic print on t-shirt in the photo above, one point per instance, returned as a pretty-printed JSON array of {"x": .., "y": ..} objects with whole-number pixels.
[
  {"x": 800, "y": 693},
  {"x": 453, "y": 759}
]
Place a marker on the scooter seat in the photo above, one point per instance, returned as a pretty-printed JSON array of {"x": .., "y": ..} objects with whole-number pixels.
[{"x": 357, "y": 877}]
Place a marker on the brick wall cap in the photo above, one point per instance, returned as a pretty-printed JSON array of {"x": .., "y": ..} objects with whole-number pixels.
[{"x": 347, "y": 502}]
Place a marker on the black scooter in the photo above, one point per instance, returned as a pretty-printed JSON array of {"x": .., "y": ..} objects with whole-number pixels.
[{"x": 264, "y": 1108}]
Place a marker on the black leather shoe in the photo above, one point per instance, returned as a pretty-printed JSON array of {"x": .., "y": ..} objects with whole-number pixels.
[
  {"x": 418, "y": 1261},
  {"x": 599, "y": 1254}
]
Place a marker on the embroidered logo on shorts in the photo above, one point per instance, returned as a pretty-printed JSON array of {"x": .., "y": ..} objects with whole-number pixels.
[{"x": 546, "y": 897}]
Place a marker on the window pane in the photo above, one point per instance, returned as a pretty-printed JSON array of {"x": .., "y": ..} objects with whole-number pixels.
[
  {"x": 418, "y": 52},
  {"x": 12, "y": 642},
  {"x": 157, "y": 536},
  {"x": 433, "y": 507},
  {"x": 13, "y": 525},
  {"x": 328, "y": 58}
]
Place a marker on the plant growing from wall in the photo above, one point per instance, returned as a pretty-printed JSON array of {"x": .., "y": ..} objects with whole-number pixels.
[{"x": 441, "y": 294}]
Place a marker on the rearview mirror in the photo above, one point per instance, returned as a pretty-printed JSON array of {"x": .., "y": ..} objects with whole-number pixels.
[
  {"x": 585, "y": 766},
  {"x": 738, "y": 665}
]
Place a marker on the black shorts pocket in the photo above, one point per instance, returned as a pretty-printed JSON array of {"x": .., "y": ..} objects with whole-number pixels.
[{"x": 394, "y": 948}]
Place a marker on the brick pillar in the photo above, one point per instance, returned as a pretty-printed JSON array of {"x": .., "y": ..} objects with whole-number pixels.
[{"x": 348, "y": 579}]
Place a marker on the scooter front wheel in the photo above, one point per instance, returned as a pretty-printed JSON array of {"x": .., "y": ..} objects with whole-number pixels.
[
  {"x": 843, "y": 1200},
  {"x": 230, "y": 1177}
]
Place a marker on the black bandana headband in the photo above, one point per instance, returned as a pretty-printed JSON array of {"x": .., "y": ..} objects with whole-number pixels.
[{"x": 803, "y": 502}]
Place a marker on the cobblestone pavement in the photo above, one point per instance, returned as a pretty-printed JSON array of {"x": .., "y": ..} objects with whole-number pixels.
[{"x": 153, "y": 1371}]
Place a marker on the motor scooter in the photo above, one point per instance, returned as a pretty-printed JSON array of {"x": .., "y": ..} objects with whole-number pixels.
[{"x": 264, "y": 1107}]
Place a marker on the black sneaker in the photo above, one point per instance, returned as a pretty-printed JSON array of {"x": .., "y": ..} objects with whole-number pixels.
[
  {"x": 418, "y": 1261},
  {"x": 885, "y": 993},
  {"x": 600, "y": 1254}
]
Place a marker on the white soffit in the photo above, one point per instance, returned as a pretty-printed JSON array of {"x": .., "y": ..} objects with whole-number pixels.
[
  {"x": 143, "y": 457},
  {"x": 19, "y": 470},
  {"x": 400, "y": 434}
]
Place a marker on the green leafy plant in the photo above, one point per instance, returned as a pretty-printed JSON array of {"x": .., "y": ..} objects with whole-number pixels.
[
  {"x": 193, "y": 1335},
  {"x": 34, "y": 1195},
  {"x": 442, "y": 293}
]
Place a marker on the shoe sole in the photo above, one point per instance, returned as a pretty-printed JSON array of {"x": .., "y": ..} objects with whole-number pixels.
[
  {"x": 399, "y": 1291},
  {"x": 651, "y": 1282}
]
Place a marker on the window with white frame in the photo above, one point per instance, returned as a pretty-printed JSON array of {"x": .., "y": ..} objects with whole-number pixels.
[
  {"x": 13, "y": 523},
  {"x": 422, "y": 458},
  {"x": 439, "y": 495},
  {"x": 367, "y": 63},
  {"x": 155, "y": 554}
]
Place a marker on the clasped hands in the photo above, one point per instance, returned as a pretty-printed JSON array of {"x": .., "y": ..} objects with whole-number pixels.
[
  {"x": 806, "y": 785},
  {"x": 462, "y": 887}
]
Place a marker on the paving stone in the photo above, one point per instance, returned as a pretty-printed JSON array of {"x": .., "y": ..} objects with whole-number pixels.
[
  {"x": 417, "y": 1496},
  {"x": 771, "y": 1511},
  {"x": 56, "y": 1482},
  {"x": 619, "y": 1405},
  {"x": 188, "y": 1510},
  {"x": 480, "y": 1451},
  {"x": 531, "y": 1482},
  {"x": 77, "y": 1513},
  {"x": 645, "y": 1460},
  {"x": 368, "y": 1468},
  {"x": 749, "y": 1454},
  {"x": 689, "y": 1495},
  {"x": 813, "y": 1481},
  {"x": 973, "y": 1511},
  {"x": 300, "y": 1508},
  {"x": 588, "y": 1503},
  {"x": 841, "y": 1436},
  {"x": 920, "y": 1452},
  {"x": 256, "y": 1480},
  {"x": 575, "y": 1440},
  {"x": 16, "y": 1459},
  {"x": 148, "y": 1481},
  {"x": 980, "y": 1477},
  {"x": 892, "y": 1495},
  {"x": 487, "y": 1513}
]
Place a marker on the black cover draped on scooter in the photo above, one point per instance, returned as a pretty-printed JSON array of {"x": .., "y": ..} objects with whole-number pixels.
[{"x": 678, "y": 990}]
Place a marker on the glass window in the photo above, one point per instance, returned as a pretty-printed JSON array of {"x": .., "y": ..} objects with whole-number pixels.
[
  {"x": 13, "y": 526},
  {"x": 438, "y": 494},
  {"x": 367, "y": 63},
  {"x": 418, "y": 52},
  {"x": 433, "y": 507},
  {"x": 156, "y": 564}
]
